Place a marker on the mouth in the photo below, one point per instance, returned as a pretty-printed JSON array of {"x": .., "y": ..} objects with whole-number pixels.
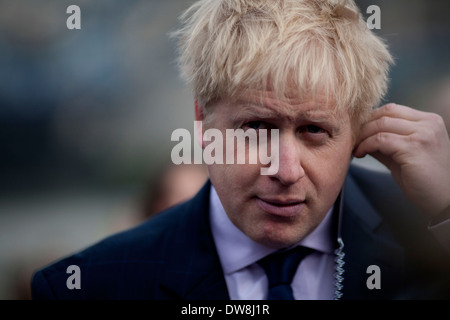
[{"x": 286, "y": 208}]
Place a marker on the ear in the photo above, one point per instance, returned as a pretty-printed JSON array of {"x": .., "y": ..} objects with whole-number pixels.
[{"x": 199, "y": 117}]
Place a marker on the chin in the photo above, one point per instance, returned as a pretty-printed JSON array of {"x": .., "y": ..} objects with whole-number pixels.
[
  {"x": 278, "y": 243},
  {"x": 279, "y": 239},
  {"x": 280, "y": 233}
]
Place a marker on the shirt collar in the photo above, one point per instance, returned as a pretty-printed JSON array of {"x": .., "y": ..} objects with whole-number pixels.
[{"x": 236, "y": 250}]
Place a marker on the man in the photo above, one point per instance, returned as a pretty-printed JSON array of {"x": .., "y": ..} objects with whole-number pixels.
[{"x": 313, "y": 71}]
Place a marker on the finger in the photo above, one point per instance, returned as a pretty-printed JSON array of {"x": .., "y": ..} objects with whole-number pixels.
[
  {"x": 386, "y": 143},
  {"x": 387, "y": 124},
  {"x": 397, "y": 111}
]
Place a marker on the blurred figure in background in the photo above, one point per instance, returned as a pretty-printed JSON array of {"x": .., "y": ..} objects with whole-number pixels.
[{"x": 175, "y": 184}]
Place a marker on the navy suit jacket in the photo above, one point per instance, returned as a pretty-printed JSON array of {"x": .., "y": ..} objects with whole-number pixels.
[{"x": 173, "y": 255}]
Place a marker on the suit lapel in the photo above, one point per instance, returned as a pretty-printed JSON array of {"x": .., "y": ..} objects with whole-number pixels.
[
  {"x": 195, "y": 271},
  {"x": 368, "y": 241}
]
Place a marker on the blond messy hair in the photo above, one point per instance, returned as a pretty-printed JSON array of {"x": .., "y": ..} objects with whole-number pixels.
[{"x": 317, "y": 47}]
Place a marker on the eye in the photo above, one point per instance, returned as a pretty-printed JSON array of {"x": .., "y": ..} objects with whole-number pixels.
[
  {"x": 314, "y": 129},
  {"x": 314, "y": 134},
  {"x": 256, "y": 125}
]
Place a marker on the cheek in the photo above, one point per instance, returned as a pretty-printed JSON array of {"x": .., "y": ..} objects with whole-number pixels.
[
  {"x": 233, "y": 178},
  {"x": 328, "y": 169},
  {"x": 235, "y": 187}
]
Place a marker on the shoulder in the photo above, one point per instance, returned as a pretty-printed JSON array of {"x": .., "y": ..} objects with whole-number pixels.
[
  {"x": 372, "y": 179},
  {"x": 380, "y": 189},
  {"x": 384, "y": 228},
  {"x": 384, "y": 198},
  {"x": 135, "y": 256}
]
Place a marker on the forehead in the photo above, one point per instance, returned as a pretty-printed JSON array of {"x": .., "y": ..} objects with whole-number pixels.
[{"x": 266, "y": 104}]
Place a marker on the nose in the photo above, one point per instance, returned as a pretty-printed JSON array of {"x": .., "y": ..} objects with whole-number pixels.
[{"x": 290, "y": 169}]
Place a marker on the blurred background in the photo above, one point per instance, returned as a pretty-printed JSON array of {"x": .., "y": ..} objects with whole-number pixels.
[{"x": 86, "y": 116}]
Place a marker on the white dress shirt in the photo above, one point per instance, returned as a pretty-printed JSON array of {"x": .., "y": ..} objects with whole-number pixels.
[{"x": 246, "y": 280}]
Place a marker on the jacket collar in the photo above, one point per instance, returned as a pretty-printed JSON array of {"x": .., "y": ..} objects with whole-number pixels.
[
  {"x": 202, "y": 277},
  {"x": 367, "y": 241}
]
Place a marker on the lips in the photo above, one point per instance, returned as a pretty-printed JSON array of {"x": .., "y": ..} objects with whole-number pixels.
[{"x": 282, "y": 208}]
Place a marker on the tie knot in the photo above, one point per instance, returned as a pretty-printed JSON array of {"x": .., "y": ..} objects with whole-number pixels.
[{"x": 280, "y": 268}]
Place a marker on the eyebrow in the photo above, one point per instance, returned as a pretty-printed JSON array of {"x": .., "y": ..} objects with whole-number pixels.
[{"x": 265, "y": 112}]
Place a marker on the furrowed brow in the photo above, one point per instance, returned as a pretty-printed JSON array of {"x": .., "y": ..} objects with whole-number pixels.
[{"x": 250, "y": 110}]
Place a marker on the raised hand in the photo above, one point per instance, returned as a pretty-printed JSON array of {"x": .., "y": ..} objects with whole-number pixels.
[{"x": 415, "y": 146}]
